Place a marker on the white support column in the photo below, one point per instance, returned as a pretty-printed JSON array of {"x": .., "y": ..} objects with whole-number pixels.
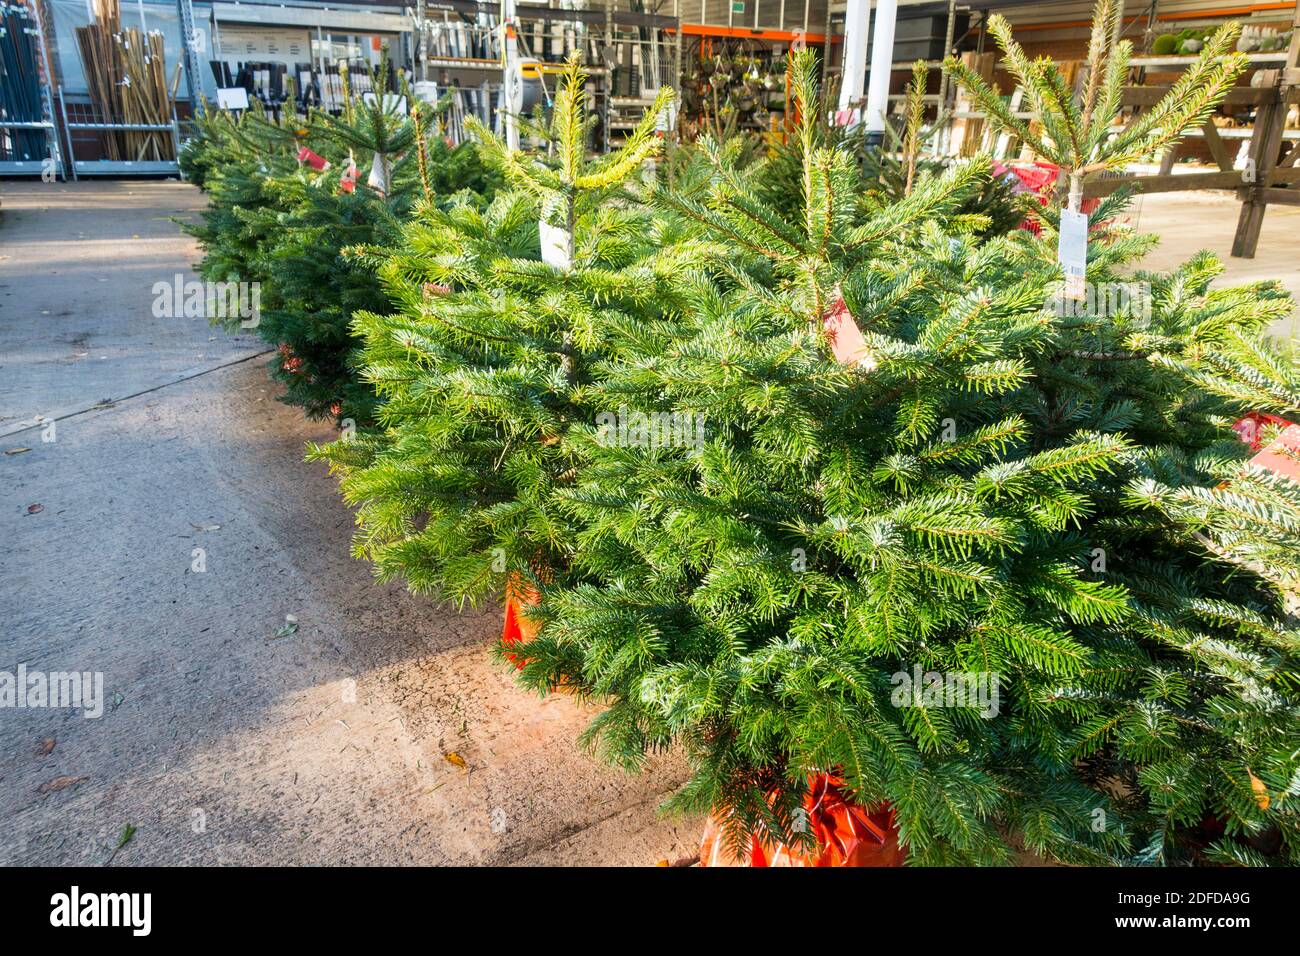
[
  {"x": 882, "y": 57},
  {"x": 422, "y": 31},
  {"x": 857, "y": 27},
  {"x": 512, "y": 81}
]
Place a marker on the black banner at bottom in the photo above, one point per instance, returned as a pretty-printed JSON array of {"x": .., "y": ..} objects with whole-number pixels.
[{"x": 445, "y": 906}]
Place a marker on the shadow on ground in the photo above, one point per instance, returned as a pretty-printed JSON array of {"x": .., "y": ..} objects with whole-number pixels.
[{"x": 221, "y": 742}]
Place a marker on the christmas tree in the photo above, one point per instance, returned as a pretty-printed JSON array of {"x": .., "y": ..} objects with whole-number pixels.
[
  {"x": 1177, "y": 363},
  {"x": 888, "y": 174},
  {"x": 313, "y": 288},
  {"x": 750, "y": 595},
  {"x": 236, "y": 161},
  {"x": 1074, "y": 131},
  {"x": 506, "y": 318},
  {"x": 893, "y": 172},
  {"x": 208, "y": 143},
  {"x": 913, "y": 464},
  {"x": 288, "y": 200}
]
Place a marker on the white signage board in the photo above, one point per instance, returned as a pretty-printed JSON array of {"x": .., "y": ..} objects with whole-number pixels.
[{"x": 232, "y": 98}]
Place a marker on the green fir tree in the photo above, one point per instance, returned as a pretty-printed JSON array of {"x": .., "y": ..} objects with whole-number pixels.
[
  {"x": 976, "y": 497},
  {"x": 504, "y": 319},
  {"x": 279, "y": 222}
]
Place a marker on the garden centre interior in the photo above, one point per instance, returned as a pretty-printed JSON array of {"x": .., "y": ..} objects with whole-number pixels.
[{"x": 577, "y": 432}]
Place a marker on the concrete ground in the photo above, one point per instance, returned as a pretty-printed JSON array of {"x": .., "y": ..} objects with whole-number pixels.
[
  {"x": 220, "y": 741},
  {"x": 1189, "y": 222},
  {"x": 78, "y": 263}
]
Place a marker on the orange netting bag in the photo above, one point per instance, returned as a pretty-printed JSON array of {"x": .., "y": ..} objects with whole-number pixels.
[
  {"x": 518, "y": 628},
  {"x": 847, "y": 835}
]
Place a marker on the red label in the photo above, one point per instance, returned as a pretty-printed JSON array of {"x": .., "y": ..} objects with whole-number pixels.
[
  {"x": 1248, "y": 429},
  {"x": 1283, "y": 456},
  {"x": 847, "y": 343},
  {"x": 348, "y": 181},
  {"x": 316, "y": 162}
]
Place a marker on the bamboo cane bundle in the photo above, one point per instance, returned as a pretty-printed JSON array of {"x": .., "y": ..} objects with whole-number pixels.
[{"x": 127, "y": 75}]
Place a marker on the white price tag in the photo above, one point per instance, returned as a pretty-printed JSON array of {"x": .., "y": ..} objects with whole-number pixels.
[
  {"x": 378, "y": 180},
  {"x": 666, "y": 121},
  {"x": 555, "y": 239},
  {"x": 1072, "y": 252}
]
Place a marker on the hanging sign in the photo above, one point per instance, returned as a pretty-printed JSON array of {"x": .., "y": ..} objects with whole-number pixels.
[
  {"x": 348, "y": 180},
  {"x": 263, "y": 43},
  {"x": 1282, "y": 457},
  {"x": 378, "y": 180}
]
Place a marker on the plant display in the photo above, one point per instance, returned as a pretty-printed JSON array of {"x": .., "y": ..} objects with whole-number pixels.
[
  {"x": 810, "y": 464},
  {"x": 988, "y": 487},
  {"x": 289, "y": 198},
  {"x": 507, "y": 317}
]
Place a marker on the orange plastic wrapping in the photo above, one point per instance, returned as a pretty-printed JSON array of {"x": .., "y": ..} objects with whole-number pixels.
[
  {"x": 518, "y": 628},
  {"x": 847, "y": 835}
]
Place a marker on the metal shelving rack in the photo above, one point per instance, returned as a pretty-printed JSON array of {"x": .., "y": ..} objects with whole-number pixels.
[
  {"x": 189, "y": 58},
  {"x": 83, "y": 116},
  {"x": 42, "y": 167},
  {"x": 547, "y": 32},
  {"x": 759, "y": 30}
]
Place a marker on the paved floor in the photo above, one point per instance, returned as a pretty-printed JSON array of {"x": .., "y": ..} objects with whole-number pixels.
[
  {"x": 1192, "y": 221},
  {"x": 220, "y": 741},
  {"x": 76, "y": 295}
]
